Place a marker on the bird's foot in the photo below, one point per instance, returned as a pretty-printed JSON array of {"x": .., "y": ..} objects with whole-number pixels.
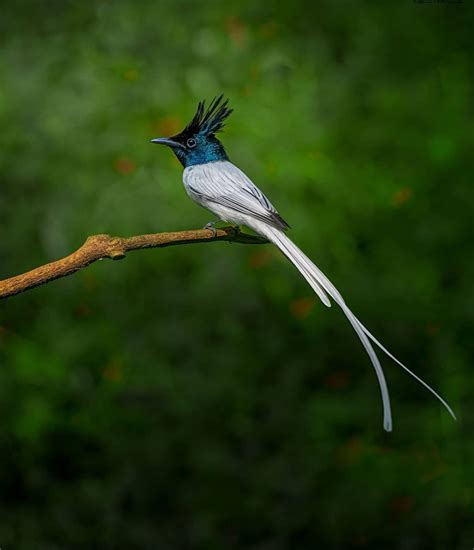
[{"x": 212, "y": 227}]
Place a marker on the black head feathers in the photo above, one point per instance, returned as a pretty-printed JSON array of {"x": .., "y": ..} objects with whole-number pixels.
[{"x": 210, "y": 121}]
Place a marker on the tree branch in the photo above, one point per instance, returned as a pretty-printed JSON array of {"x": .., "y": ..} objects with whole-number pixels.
[{"x": 98, "y": 247}]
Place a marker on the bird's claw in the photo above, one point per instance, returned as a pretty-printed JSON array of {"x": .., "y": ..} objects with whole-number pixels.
[{"x": 211, "y": 227}]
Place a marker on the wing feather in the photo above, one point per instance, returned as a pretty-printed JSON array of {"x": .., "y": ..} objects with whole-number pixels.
[{"x": 224, "y": 184}]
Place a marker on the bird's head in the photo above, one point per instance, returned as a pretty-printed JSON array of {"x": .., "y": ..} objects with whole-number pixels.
[{"x": 197, "y": 143}]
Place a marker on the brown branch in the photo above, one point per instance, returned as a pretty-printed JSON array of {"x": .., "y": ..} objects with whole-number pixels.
[{"x": 98, "y": 247}]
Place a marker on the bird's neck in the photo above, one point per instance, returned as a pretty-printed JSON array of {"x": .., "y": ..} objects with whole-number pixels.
[{"x": 212, "y": 152}]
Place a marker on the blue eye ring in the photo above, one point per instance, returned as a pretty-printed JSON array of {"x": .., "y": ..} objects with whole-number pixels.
[{"x": 191, "y": 142}]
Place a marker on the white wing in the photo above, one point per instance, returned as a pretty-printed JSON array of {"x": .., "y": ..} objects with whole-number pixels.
[{"x": 224, "y": 184}]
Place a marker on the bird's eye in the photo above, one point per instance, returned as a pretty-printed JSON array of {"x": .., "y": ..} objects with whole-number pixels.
[{"x": 191, "y": 143}]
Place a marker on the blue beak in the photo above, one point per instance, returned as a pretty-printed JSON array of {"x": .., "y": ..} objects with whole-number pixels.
[{"x": 167, "y": 141}]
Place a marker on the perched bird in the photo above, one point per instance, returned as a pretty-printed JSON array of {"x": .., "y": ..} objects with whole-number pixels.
[{"x": 212, "y": 181}]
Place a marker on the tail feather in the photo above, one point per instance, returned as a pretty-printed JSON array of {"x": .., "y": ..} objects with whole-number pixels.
[
  {"x": 300, "y": 261},
  {"x": 417, "y": 378},
  {"x": 334, "y": 293},
  {"x": 323, "y": 287}
]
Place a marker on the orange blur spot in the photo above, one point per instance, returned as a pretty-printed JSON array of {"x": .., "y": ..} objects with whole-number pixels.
[
  {"x": 402, "y": 196},
  {"x": 237, "y": 31},
  {"x": 432, "y": 329},
  {"x": 351, "y": 451},
  {"x": 254, "y": 71},
  {"x": 269, "y": 29},
  {"x": 337, "y": 380},
  {"x": 260, "y": 259},
  {"x": 130, "y": 74},
  {"x": 167, "y": 126},
  {"x": 113, "y": 371},
  {"x": 302, "y": 308},
  {"x": 83, "y": 310},
  {"x": 124, "y": 166},
  {"x": 401, "y": 505}
]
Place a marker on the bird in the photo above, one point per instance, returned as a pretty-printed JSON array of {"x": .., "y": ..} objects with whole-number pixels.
[{"x": 215, "y": 183}]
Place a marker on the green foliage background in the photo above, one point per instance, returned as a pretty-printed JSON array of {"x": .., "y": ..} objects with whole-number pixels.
[{"x": 201, "y": 397}]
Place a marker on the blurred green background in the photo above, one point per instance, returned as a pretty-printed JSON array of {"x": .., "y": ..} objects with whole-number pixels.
[{"x": 200, "y": 397}]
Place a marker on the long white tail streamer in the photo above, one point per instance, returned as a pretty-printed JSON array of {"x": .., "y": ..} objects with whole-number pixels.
[{"x": 323, "y": 286}]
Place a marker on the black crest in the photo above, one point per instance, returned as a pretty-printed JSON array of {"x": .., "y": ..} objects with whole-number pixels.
[{"x": 209, "y": 121}]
